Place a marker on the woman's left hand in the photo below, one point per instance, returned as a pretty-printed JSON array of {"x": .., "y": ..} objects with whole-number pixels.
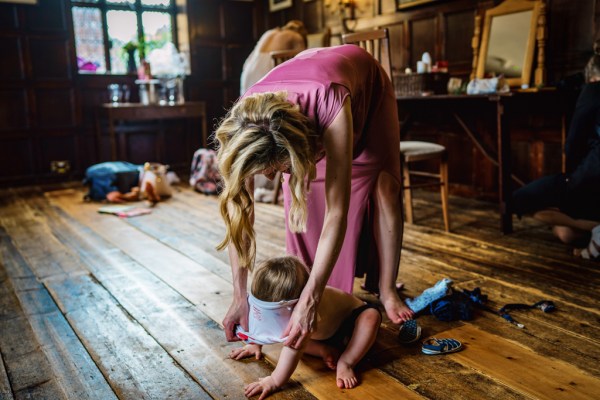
[{"x": 302, "y": 324}]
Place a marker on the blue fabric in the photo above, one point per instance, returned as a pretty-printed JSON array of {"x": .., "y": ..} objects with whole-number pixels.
[
  {"x": 452, "y": 308},
  {"x": 439, "y": 290},
  {"x": 102, "y": 178}
]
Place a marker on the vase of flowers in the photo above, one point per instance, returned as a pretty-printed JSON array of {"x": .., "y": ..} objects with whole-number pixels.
[{"x": 129, "y": 48}]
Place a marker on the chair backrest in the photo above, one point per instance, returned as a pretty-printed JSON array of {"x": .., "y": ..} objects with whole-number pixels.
[
  {"x": 321, "y": 39},
  {"x": 279, "y": 56},
  {"x": 376, "y": 42}
]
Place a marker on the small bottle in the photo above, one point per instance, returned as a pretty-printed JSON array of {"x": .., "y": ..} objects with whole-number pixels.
[
  {"x": 180, "y": 96},
  {"x": 144, "y": 95}
]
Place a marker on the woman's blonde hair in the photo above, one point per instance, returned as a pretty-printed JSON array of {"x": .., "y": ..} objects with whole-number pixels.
[
  {"x": 260, "y": 132},
  {"x": 281, "y": 278}
]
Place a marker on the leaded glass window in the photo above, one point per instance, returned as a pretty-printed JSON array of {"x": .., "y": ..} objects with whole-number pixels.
[{"x": 107, "y": 31}]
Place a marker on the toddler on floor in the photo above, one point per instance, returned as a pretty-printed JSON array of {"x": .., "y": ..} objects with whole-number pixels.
[{"x": 347, "y": 327}]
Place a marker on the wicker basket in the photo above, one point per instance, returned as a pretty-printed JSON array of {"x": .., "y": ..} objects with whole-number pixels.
[{"x": 421, "y": 84}]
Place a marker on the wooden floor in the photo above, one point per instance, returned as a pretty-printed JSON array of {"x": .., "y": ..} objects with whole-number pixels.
[{"x": 97, "y": 307}]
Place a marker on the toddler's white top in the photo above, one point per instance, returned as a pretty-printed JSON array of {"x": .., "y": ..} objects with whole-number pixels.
[{"x": 266, "y": 321}]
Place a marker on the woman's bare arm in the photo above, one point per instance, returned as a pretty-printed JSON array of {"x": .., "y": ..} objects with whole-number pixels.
[
  {"x": 238, "y": 310},
  {"x": 338, "y": 147}
]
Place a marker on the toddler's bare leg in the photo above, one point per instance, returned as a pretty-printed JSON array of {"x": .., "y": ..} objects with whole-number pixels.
[
  {"x": 363, "y": 337},
  {"x": 328, "y": 353}
]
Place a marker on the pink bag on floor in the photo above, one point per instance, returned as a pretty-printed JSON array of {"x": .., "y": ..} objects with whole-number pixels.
[{"x": 204, "y": 175}]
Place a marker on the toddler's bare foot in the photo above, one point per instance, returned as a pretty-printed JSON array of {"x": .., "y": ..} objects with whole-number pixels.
[
  {"x": 395, "y": 308},
  {"x": 330, "y": 356},
  {"x": 345, "y": 377}
]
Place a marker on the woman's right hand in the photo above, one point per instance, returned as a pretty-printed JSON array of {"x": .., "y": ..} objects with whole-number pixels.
[
  {"x": 302, "y": 324},
  {"x": 236, "y": 315}
]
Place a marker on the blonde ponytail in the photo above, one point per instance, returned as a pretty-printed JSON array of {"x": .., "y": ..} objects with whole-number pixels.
[{"x": 261, "y": 131}]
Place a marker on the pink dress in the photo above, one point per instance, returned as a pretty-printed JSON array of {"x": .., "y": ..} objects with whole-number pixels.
[{"x": 319, "y": 80}]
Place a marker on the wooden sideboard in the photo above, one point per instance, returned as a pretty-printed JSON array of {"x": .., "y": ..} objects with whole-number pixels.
[{"x": 113, "y": 113}]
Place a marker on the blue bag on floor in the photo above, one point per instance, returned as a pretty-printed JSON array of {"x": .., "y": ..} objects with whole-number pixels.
[{"x": 110, "y": 176}]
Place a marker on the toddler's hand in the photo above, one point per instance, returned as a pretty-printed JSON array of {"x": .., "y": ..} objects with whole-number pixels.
[
  {"x": 248, "y": 350},
  {"x": 264, "y": 387}
]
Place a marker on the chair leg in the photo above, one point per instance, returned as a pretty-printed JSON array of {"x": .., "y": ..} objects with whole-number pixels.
[
  {"x": 407, "y": 194},
  {"x": 444, "y": 190}
]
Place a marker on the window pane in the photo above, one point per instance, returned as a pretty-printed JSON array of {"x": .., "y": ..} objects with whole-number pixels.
[
  {"x": 156, "y": 2},
  {"x": 122, "y": 29},
  {"x": 120, "y": 1},
  {"x": 89, "y": 44},
  {"x": 157, "y": 29}
]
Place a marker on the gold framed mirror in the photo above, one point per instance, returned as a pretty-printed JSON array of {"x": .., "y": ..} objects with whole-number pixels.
[{"x": 511, "y": 33}]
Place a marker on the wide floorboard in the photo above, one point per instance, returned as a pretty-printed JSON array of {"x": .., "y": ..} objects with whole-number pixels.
[{"x": 93, "y": 306}]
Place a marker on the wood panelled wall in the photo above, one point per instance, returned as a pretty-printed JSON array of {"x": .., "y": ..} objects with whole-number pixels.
[
  {"x": 47, "y": 108},
  {"x": 38, "y": 113}
]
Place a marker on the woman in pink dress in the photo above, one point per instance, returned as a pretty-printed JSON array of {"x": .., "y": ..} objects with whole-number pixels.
[{"x": 327, "y": 119}]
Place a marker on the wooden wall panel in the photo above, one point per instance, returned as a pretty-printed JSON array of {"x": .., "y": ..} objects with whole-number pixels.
[
  {"x": 458, "y": 26},
  {"x": 570, "y": 36},
  {"x": 422, "y": 39},
  {"x": 55, "y": 108},
  {"x": 8, "y": 17},
  {"x": 13, "y": 110},
  {"x": 12, "y": 67},
  {"x": 223, "y": 35},
  {"x": 56, "y": 147},
  {"x": 44, "y": 49},
  {"x": 398, "y": 47},
  {"x": 237, "y": 21},
  {"x": 47, "y": 15},
  {"x": 209, "y": 62},
  {"x": 17, "y": 159}
]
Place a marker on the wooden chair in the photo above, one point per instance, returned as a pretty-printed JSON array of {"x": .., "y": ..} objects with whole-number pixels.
[
  {"x": 377, "y": 43},
  {"x": 320, "y": 39},
  {"x": 279, "y": 56}
]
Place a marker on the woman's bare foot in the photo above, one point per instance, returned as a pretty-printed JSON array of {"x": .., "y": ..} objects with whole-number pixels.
[
  {"x": 345, "y": 377},
  {"x": 395, "y": 308}
]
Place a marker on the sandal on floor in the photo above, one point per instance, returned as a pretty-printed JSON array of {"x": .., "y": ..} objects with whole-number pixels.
[
  {"x": 440, "y": 346},
  {"x": 409, "y": 332},
  {"x": 592, "y": 251}
]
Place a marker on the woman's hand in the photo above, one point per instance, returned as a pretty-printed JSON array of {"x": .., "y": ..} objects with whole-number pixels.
[
  {"x": 236, "y": 315},
  {"x": 264, "y": 387},
  {"x": 302, "y": 324},
  {"x": 248, "y": 350}
]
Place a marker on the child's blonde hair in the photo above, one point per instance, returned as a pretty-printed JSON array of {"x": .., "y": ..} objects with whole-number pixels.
[
  {"x": 260, "y": 132},
  {"x": 281, "y": 278}
]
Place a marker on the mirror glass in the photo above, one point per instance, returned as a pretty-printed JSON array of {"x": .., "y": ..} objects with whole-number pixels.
[
  {"x": 509, "y": 35},
  {"x": 507, "y": 43}
]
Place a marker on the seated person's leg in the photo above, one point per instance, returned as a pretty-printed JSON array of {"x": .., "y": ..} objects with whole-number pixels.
[
  {"x": 567, "y": 234},
  {"x": 545, "y": 192}
]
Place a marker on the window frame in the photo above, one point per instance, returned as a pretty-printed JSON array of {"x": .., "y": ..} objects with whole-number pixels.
[{"x": 138, "y": 8}]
